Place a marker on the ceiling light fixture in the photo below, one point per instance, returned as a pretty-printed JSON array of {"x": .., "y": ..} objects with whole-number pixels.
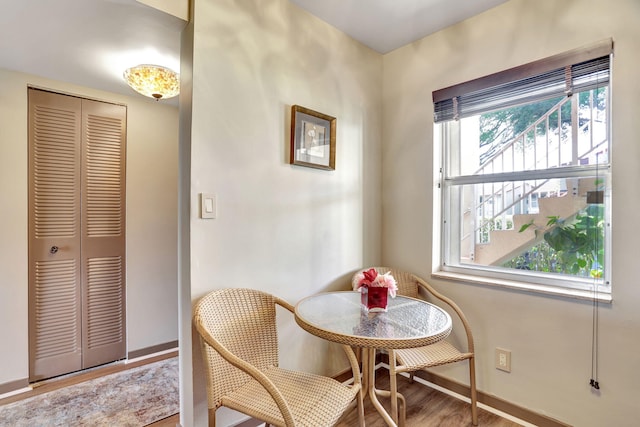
[{"x": 153, "y": 81}]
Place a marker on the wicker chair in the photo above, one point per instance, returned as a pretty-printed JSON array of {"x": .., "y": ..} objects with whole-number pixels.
[
  {"x": 238, "y": 335},
  {"x": 440, "y": 353}
]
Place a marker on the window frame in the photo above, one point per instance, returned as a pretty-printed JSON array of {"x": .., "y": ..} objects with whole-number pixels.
[{"x": 444, "y": 206}]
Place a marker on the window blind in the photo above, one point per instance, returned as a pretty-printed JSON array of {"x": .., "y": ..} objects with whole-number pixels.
[{"x": 563, "y": 74}]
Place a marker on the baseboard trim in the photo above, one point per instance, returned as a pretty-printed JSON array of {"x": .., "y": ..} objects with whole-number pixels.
[
  {"x": 487, "y": 399},
  {"x": 13, "y": 386},
  {"x": 152, "y": 350},
  {"x": 493, "y": 401}
]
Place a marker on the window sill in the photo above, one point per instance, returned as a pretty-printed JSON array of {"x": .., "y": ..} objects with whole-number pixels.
[{"x": 526, "y": 287}]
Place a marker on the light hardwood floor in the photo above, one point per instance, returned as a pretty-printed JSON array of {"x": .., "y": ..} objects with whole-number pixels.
[{"x": 426, "y": 407}]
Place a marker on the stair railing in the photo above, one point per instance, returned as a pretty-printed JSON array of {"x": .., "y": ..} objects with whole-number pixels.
[{"x": 506, "y": 157}]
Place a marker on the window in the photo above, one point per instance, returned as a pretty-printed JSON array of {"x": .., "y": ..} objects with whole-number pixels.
[{"x": 525, "y": 174}]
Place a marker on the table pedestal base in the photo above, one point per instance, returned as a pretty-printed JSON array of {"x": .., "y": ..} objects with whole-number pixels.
[{"x": 369, "y": 387}]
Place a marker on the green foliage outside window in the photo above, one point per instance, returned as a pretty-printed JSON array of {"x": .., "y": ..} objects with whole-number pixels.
[{"x": 574, "y": 246}]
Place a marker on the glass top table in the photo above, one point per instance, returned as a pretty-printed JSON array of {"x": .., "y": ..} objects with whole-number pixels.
[
  {"x": 407, "y": 323},
  {"x": 339, "y": 317}
]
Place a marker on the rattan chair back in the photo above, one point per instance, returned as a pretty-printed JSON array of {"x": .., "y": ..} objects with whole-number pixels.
[
  {"x": 440, "y": 353},
  {"x": 407, "y": 282},
  {"x": 243, "y": 322},
  {"x": 238, "y": 336}
]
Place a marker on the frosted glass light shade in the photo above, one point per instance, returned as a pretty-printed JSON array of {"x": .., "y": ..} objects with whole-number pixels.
[{"x": 153, "y": 81}]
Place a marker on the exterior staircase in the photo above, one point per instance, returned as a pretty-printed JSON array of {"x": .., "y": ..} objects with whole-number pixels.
[
  {"x": 506, "y": 244},
  {"x": 512, "y": 204}
]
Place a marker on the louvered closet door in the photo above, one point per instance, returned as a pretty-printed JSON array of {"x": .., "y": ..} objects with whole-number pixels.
[
  {"x": 77, "y": 233},
  {"x": 103, "y": 232},
  {"x": 55, "y": 328}
]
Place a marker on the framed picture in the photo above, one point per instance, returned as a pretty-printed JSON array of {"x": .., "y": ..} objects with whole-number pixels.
[{"x": 313, "y": 139}]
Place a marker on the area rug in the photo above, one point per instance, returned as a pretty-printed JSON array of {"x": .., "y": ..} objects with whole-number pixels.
[{"x": 135, "y": 397}]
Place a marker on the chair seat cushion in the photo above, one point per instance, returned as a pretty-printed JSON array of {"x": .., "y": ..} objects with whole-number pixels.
[
  {"x": 313, "y": 400},
  {"x": 440, "y": 353}
]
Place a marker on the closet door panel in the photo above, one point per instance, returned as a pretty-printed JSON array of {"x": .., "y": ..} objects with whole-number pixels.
[
  {"x": 54, "y": 235},
  {"x": 103, "y": 232}
]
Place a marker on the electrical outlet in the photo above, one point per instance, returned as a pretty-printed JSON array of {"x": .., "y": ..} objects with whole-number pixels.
[{"x": 503, "y": 359}]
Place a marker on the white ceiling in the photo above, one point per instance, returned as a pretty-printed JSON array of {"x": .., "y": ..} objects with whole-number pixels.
[
  {"x": 91, "y": 42},
  {"x": 86, "y": 42},
  {"x": 385, "y": 25}
]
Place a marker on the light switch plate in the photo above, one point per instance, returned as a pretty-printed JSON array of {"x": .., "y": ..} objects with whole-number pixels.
[{"x": 208, "y": 205}]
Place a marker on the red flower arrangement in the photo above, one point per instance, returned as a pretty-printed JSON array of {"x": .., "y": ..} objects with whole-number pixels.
[{"x": 371, "y": 278}]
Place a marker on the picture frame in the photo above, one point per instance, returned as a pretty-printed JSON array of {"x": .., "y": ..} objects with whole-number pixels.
[{"x": 313, "y": 139}]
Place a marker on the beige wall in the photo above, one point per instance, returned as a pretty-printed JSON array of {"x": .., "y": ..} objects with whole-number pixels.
[
  {"x": 291, "y": 231},
  {"x": 152, "y": 143},
  {"x": 550, "y": 337}
]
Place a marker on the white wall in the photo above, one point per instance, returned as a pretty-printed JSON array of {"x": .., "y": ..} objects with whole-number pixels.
[
  {"x": 549, "y": 337},
  {"x": 152, "y": 222},
  {"x": 152, "y": 143},
  {"x": 291, "y": 231}
]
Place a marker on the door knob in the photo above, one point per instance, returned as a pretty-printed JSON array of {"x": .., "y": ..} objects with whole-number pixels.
[{"x": 53, "y": 250}]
